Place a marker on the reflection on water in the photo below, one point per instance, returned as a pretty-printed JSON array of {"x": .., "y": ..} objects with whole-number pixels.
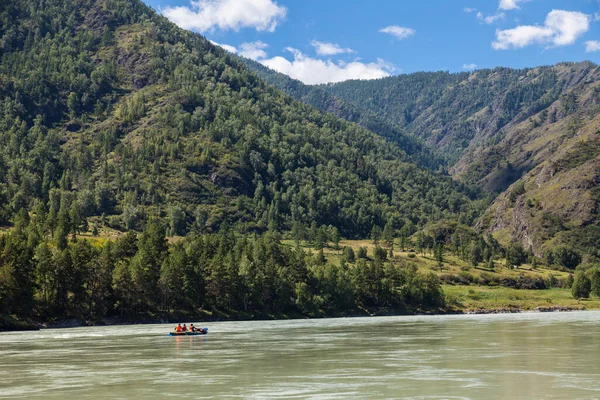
[{"x": 464, "y": 357}]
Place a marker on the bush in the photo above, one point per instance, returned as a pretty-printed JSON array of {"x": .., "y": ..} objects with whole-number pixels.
[
  {"x": 463, "y": 278},
  {"x": 488, "y": 279},
  {"x": 531, "y": 283},
  {"x": 349, "y": 255},
  {"x": 595, "y": 281},
  {"x": 582, "y": 286},
  {"x": 552, "y": 282},
  {"x": 567, "y": 257},
  {"x": 362, "y": 252}
]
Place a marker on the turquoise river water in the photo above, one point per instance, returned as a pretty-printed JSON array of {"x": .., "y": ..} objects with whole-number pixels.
[{"x": 510, "y": 356}]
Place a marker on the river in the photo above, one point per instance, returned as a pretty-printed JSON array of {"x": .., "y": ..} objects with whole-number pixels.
[{"x": 532, "y": 355}]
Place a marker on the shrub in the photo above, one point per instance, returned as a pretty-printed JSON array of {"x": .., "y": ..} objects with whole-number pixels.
[
  {"x": 582, "y": 286},
  {"x": 349, "y": 254},
  {"x": 567, "y": 257},
  {"x": 362, "y": 252}
]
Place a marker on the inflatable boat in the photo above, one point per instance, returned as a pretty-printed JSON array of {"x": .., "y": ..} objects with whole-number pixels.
[{"x": 202, "y": 331}]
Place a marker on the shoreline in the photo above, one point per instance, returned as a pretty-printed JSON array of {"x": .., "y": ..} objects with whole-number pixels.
[{"x": 34, "y": 325}]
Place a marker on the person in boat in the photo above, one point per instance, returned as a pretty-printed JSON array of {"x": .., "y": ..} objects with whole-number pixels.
[
  {"x": 193, "y": 328},
  {"x": 178, "y": 328},
  {"x": 184, "y": 328}
]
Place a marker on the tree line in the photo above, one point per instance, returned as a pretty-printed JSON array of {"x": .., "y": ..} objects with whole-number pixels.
[{"x": 141, "y": 274}]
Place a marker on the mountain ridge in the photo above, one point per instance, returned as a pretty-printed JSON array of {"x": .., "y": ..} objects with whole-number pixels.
[
  {"x": 496, "y": 127},
  {"x": 131, "y": 126}
]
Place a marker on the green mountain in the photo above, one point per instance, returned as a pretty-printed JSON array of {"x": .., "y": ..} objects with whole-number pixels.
[
  {"x": 500, "y": 126},
  {"x": 470, "y": 116},
  {"x": 110, "y": 110},
  {"x": 555, "y": 204},
  {"x": 114, "y": 120},
  {"x": 320, "y": 98},
  {"x": 536, "y": 127}
]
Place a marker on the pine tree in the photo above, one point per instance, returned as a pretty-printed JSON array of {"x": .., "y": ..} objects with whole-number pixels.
[
  {"x": 491, "y": 265},
  {"x": 376, "y": 234},
  {"x": 476, "y": 256},
  {"x": 439, "y": 256},
  {"x": 349, "y": 254},
  {"x": 335, "y": 236},
  {"x": 595, "y": 281},
  {"x": 388, "y": 235},
  {"x": 44, "y": 273}
]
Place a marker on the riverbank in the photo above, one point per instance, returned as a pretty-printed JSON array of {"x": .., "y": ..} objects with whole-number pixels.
[
  {"x": 486, "y": 299},
  {"x": 460, "y": 300},
  {"x": 14, "y": 323}
]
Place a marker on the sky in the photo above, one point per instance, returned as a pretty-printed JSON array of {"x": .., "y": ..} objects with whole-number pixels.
[{"x": 320, "y": 41}]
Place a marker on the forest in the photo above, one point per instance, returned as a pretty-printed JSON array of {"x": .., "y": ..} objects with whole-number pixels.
[
  {"x": 523, "y": 138},
  {"x": 112, "y": 117},
  {"x": 114, "y": 120},
  {"x": 142, "y": 275}
]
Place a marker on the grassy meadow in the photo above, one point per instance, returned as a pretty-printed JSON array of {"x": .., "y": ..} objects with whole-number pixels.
[{"x": 476, "y": 296}]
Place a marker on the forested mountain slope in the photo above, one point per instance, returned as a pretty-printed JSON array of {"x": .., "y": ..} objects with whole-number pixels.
[
  {"x": 320, "y": 98},
  {"x": 474, "y": 117},
  {"x": 112, "y": 119},
  {"x": 496, "y": 126},
  {"x": 109, "y": 109},
  {"x": 500, "y": 125}
]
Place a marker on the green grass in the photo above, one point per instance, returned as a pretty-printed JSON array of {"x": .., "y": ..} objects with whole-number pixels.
[
  {"x": 496, "y": 298},
  {"x": 474, "y": 297},
  {"x": 427, "y": 263}
]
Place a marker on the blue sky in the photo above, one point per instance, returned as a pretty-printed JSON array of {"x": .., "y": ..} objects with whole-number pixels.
[{"x": 320, "y": 41}]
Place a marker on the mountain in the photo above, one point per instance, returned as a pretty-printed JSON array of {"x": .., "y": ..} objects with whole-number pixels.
[
  {"x": 118, "y": 129},
  {"x": 112, "y": 119},
  {"x": 527, "y": 136},
  {"x": 555, "y": 203},
  {"x": 320, "y": 98},
  {"x": 471, "y": 116},
  {"x": 110, "y": 111}
]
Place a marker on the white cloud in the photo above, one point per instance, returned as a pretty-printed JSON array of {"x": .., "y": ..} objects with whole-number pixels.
[
  {"x": 510, "y": 4},
  {"x": 490, "y": 19},
  {"x": 560, "y": 28},
  {"x": 207, "y": 15},
  {"x": 398, "y": 31},
  {"x": 469, "y": 67},
  {"x": 313, "y": 71},
  {"x": 227, "y": 47},
  {"x": 592, "y": 46},
  {"x": 469, "y": 9},
  {"x": 329, "y": 49},
  {"x": 253, "y": 50}
]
